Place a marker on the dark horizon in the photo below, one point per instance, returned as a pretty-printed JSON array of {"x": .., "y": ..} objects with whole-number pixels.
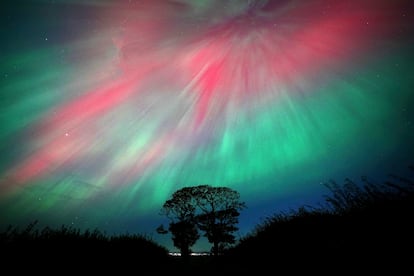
[
  {"x": 108, "y": 107},
  {"x": 362, "y": 226}
]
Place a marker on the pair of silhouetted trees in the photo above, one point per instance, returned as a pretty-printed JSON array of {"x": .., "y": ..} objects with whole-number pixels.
[{"x": 214, "y": 211}]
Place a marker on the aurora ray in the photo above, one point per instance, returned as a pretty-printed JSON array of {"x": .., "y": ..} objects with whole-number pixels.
[{"x": 109, "y": 107}]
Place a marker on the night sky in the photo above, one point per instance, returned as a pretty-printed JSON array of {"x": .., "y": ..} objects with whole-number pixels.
[{"x": 108, "y": 107}]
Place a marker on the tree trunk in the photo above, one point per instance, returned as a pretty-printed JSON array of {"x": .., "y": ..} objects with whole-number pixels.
[
  {"x": 216, "y": 248},
  {"x": 185, "y": 252}
]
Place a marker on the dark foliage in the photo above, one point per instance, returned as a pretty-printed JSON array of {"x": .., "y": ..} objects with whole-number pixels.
[
  {"x": 361, "y": 225},
  {"x": 72, "y": 247},
  {"x": 212, "y": 210},
  {"x": 185, "y": 235}
]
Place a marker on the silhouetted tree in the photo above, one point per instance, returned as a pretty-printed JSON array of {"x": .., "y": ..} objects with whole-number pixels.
[
  {"x": 214, "y": 210},
  {"x": 180, "y": 209},
  {"x": 218, "y": 212},
  {"x": 184, "y": 235}
]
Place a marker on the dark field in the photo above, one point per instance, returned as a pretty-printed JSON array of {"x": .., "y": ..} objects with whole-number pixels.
[{"x": 362, "y": 227}]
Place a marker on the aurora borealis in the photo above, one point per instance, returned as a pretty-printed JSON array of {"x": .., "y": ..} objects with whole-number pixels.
[{"x": 108, "y": 107}]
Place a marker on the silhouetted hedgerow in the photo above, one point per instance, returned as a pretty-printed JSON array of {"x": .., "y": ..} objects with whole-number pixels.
[
  {"x": 361, "y": 223},
  {"x": 69, "y": 245}
]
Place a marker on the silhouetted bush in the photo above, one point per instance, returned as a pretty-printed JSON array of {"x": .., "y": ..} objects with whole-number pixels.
[
  {"x": 360, "y": 225},
  {"x": 69, "y": 245},
  {"x": 365, "y": 224}
]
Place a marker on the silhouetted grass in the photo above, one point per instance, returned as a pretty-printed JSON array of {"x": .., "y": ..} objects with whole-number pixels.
[
  {"x": 361, "y": 225},
  {"x": 70, "y": 247}
]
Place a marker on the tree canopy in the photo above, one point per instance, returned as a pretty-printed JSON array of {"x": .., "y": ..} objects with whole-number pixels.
[{"x": 212, "y": 210}]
